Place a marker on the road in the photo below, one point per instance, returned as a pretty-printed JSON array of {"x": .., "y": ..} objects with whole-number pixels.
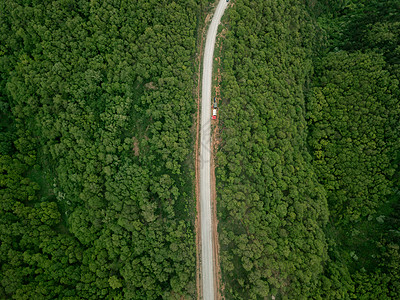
[{"x": 207, "y": 259}]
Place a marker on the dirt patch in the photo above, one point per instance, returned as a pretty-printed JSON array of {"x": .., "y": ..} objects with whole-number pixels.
[
  {"x": 150, "y": 86},
  {"x": 217, "y": 270},
  {"x": 215, "y": 141},
  {"x": 135, "y": 146}
]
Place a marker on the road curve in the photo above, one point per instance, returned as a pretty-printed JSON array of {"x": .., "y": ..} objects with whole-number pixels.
[{"x": 207, "y": 259}]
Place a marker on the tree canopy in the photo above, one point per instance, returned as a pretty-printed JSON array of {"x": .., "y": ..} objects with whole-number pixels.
[
  {"x": 96, "y": 149},
  {"x": 308, "y": 165},
  {"x": 96, "y": 118}
]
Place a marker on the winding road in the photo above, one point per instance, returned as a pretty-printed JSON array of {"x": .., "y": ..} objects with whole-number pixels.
[{"x": 207, "y": 259}]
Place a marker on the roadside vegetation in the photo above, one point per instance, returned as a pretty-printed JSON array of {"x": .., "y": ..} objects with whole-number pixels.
[
  {"x": 307, "y": 175},
  {"x": 96, "y": 110}
]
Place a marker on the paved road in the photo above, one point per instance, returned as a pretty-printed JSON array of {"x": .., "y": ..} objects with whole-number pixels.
[{"x": 207, "y": 263}]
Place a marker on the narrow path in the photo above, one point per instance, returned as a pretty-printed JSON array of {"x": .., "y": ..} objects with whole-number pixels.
[{"x": 207, "y": 258}]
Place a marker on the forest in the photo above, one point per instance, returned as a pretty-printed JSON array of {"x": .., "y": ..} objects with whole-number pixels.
[
  {"x": 271, "y": 207},
  {"x": 96, "y": 118},
  {"x": 97, "y": 115},
  {"x": 353, "y": 112},
  {"x": 308, "y": 168}
]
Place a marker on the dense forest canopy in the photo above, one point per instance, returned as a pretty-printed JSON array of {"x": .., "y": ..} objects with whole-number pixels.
[
  {"x": 354, "y": 124},
  {"x": 307, "y": 175},
  {"x": 96, "y": 149},
  {"x": 96, "y": 112},
  {"x": 272, "y": 209}
]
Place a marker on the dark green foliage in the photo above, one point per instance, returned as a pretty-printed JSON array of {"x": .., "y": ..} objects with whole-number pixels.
[
  {"x": 353, "y": 113},
  {"x": 271, "y": 207},
  {"x": 354, "y": 117},
  {"x": 362, "y": 25},
  {"x": 275, "y": 239},
  {"x": 32, "y": 254},
  {"x": 94, "y": 203}
]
